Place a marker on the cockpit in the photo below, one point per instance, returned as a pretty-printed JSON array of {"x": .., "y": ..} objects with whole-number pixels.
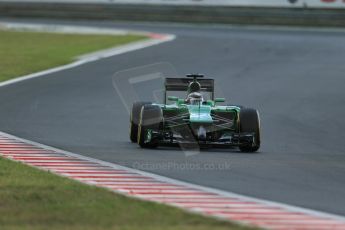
[{"x": 194, "y": 98}]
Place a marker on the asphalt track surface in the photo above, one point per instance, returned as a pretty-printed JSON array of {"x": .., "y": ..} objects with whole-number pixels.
[{"x": 294, "y": 77}]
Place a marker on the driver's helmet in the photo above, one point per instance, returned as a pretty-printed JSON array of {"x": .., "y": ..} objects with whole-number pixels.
[{"x": 194, "y": 98}]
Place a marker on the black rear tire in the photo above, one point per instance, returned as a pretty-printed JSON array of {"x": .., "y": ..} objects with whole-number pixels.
[
  {"x": 250, "y": 123},
  {"x": 151, "y": 117},
  {"x": 134, "y": 120}
]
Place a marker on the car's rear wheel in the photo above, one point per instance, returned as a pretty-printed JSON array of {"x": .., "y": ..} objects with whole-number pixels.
[
  {"x": 250, "y": 123},
  {"x": 134, "y": 120},
  {"x": 151, "y": 117}
]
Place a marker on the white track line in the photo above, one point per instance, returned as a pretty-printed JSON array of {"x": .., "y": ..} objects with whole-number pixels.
[{"x": 154, "y": 39}]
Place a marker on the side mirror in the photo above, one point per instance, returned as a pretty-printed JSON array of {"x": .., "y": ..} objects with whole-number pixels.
[
  {"x": 218, "y": 100},
  {"x": 172, "y": 98},
  {"x": 180, "y": 101}
]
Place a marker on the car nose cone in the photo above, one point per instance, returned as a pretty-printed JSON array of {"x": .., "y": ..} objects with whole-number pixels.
[{"x": 202, "y": 133}]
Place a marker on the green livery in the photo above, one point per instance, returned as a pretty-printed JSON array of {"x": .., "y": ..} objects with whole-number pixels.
[{"x": 196, "y": 119}]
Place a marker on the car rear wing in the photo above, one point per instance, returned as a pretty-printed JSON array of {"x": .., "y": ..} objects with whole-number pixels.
[{"x": 181, "y": 84}]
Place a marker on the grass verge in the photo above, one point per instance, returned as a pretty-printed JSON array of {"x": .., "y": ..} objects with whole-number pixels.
[
  {"x": 28, "y": 52},
  {"x": 34, "y": 199}
]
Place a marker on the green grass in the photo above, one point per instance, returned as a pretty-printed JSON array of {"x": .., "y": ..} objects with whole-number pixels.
[
  {"x": 34, "y": 199},
  {"x": 27, "y": 52}
]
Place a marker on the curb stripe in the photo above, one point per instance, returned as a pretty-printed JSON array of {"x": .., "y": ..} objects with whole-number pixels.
[{"x": 142, "y": 185}]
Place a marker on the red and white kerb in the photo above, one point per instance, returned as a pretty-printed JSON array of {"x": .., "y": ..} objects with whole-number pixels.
[{"x": 151, "y": 187}]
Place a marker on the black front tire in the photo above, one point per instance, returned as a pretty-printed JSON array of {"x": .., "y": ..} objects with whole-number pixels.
[
  {"x": 151, "y": 117},
  {"x": 134, "y": 120},
  {"x": 250, "y": 123}
]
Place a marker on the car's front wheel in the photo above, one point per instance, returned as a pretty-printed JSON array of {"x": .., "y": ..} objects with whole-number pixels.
[
  {"x": 250, "y": 123},
  {"x": 134, "y": 120},
  {"x": 151, "y": 117}
]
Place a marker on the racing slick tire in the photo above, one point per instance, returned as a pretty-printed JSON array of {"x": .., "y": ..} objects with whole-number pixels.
[
  {"x": 151, "y": 117},
  {"x": 250, "y": 123},
  {"x": 134, "y": 120}
]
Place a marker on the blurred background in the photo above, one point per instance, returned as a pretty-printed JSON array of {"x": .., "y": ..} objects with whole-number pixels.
[{"x": 276, "y": 12}]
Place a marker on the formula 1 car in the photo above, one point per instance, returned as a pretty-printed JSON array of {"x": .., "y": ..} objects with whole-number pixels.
[{"x": 194, "y": 119}]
